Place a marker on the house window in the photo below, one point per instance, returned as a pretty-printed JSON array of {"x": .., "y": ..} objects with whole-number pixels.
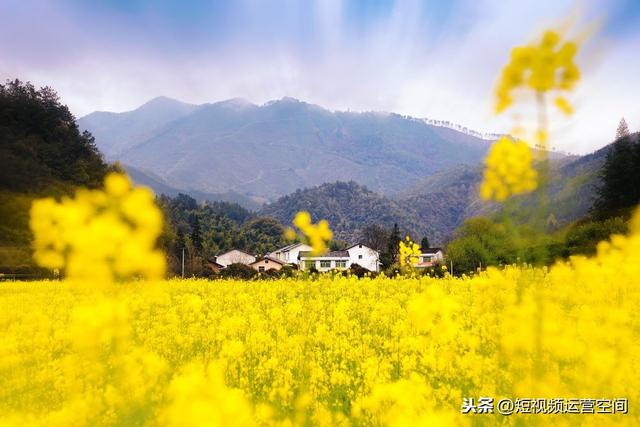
[
  {"x": 359, "y": 256},
  {"x": 325, "y": 264},
  {"x": 341, "y": 264},
  {"x": 261, "y": 269},
  {"x": 310, "y": 264}
]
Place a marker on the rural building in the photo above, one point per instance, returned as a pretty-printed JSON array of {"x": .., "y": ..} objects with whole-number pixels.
[
  {"x": 289, "y": 254},
  {"x": 429, "y": 257},
  {"x": 364, "y": 256},
  {"x": 359, "y": 254},
  {"x": 234, "y": 256},
  {"x": 267, "y": 263},
  {"x": 328, "y": 261},
  {"x": 214, "y": 266}
]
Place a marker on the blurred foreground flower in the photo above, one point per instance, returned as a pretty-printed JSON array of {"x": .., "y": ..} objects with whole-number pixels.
[
  {"x": 100, "y": 235},
  {"x": 318, "y": 235},
  {"x": 508, "y": 170},
  {"x": 409, "y": 252},
  {"x": 198, "y": 396},
  {"x": 542, "y": 67}
]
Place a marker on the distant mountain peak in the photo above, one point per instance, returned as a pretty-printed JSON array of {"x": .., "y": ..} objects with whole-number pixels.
[
  {"x": 285, "y": 100},
  {"x": 235, "y": 103},
  {"x": 291, "y": 99},
  {"x": 161, "y": 102},
  {"x": 272, "y": 149}
]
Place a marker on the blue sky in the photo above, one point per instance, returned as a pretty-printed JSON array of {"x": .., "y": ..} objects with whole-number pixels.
[{"x": 436, "y": 59}]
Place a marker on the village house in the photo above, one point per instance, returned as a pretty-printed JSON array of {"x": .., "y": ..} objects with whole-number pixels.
[
  {"x": 429, "y": 257},
  {"x": 267, "y": 263},
  {"x": 355, "y": 254},
  {"x": 300, "y": 254},
  {"x": 214, "y": 266},
  {"x": 234, "y": 256},
  {"x": 289, "y": 254},
  {"x": 328, "y": 261},
  {"x": 364, "y": 256}
]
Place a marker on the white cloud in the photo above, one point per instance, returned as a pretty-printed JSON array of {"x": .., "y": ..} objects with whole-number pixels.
[{"x": 400, "y": 63}]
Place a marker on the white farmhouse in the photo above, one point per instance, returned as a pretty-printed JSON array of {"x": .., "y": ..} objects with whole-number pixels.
[
  {"x": 359, "y": 254},
  {"x": 234, "y": 256},
  {"x": 333, "y": 260},
  {"x": 289, "y": 254},
  {"x": 364, "y": 256},
  {"x": 429, "y": 257}
]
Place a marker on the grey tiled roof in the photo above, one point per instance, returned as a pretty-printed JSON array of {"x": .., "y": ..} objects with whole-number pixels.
[{"x": 430, "y": 250}]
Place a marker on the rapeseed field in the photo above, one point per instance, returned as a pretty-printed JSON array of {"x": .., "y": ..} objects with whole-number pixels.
[{"x": 332, "y": 350}]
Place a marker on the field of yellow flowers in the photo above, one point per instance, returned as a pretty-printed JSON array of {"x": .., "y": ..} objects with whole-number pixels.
[
  {"x": 559, "y": 344},
  {"x": 331, "y": 351}
]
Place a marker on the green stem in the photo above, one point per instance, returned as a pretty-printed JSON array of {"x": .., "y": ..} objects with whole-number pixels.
[{"x": 542, "y": 193}]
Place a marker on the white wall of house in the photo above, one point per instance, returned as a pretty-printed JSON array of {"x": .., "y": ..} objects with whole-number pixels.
[
  {"x": 235, "y": 257},
  {"x": 292, "y": 254},
  {"x": 289, "y": 254},
  {"x": 358, "y": 254},
  {"x": 364, "y": 256},
  {"x": 323, "y": 264},
  {"x": 429, "y": 259},
  {"x": 432, "y": 257}
]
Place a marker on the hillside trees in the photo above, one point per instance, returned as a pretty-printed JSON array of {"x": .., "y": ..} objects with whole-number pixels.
[
  {"x": 623, "y": 129},
  {"x": 424, "y": 243},
  {"x": 42, "y": 146},
  {"x": 393, "y": 247},
  {"x": 619, "y": 189},
  {"x": 42, "y": 153},
  {"x": 480, "y": 242},
  {"x": 208, "y": 229},
  {"x": 261, "y": 235},
  {"x": 375, "y": 236},
  {"x": 348, "y": 206},
  {"x": 583, "y": 237}
]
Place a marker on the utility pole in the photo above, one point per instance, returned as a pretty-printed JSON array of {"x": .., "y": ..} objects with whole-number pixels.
[
  {"x": 451, "y": 267},
  {"x": 183, "y": 263}
]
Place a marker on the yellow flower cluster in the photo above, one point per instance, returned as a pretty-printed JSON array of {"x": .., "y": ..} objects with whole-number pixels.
[
  {"x": 332, "y": 351},
  {"x": 318, "y": 235},
  {"x": 100, "y": 235},
  {"x": 508, "y": 170},
  {"x": 544, "y": 67},
  {"x": 409, "y": 252}
]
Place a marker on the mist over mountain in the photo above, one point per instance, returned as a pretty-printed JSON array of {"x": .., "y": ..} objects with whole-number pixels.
[
  {"x": 270, "y": 150},
  {"x": 118, "y": 132},
  {"x": 160, "y": 187}
]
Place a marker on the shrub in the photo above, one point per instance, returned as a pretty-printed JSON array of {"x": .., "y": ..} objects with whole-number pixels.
[{"x": 238, "y": 271}]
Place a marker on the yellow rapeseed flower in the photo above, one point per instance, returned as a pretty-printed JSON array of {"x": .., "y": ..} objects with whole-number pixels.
[
  {"x": 508, "y": 170},
  {"x": 409, "y": 252},
  {"x": 543, "y": 67},
  {"x": 318, "y": 235},
  {"x": 100, "y": 235}
]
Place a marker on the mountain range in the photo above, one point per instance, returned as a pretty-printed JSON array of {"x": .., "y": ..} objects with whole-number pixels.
[
  {"x": 267, "y": 151},
  {"x": 439, "y": 204},
  {"x": 353, "y": 169}
]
